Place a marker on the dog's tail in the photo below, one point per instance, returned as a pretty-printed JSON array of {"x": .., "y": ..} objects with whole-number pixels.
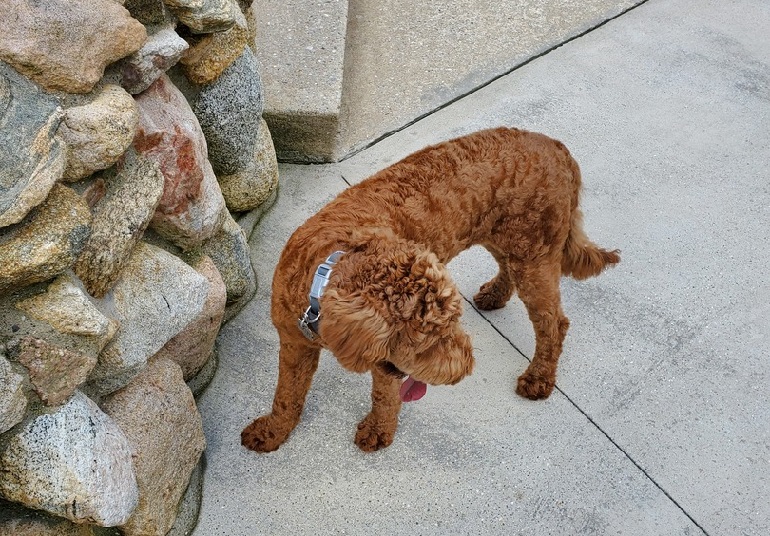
[{"x": 582, "y": 258}]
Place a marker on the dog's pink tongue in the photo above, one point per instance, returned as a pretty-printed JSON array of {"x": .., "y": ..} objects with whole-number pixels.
[{"x": 412, "y": 390}]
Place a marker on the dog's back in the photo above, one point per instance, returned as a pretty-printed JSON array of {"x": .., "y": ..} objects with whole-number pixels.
[
  {"x": 503, "y": 183},
  {"x": 452, "y": 194}
]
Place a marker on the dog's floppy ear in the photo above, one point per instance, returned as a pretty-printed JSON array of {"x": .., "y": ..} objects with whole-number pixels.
[
  {"x": 353, "y": 330},
  {"x": 435, "y": 302}
]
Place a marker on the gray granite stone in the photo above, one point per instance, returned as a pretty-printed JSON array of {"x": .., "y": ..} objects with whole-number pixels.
[
  {"x": 156, "y": 296},
  {"x": 229, "y": 112},
  {"x": 161, "y": 50},
  {"x": 29, "y": 119},
  {"x": 249, "y": 187},
  {"x": 150, "y": 12},
  {"x": 13, "y": 402},
  {"x": 230, "y": 252},
  {"x": 75, "y": 463}
]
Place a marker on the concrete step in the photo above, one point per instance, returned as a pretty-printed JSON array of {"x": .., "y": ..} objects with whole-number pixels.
[
  {"x": 301, "y": 47},
  {"x": 340, "y": 75}
]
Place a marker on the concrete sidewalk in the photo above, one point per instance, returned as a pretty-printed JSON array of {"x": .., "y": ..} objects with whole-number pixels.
[{"x": 661, "y": 420}]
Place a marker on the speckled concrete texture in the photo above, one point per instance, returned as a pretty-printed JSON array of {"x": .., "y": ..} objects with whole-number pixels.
[{"x": 659, "y": 422}]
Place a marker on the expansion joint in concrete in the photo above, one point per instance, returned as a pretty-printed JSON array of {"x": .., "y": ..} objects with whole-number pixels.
[{"x": 596, "y": 425}]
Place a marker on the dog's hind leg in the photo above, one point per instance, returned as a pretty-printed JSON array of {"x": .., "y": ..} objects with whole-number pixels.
[
  {"x": 378, "y": 428},
  {"x": 538, "y": 288},
  {"x": 297, "y": 364},
  {"x": 494, "y": 294}
]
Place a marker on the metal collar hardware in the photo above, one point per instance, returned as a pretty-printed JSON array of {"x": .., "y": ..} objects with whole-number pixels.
[{"x": 308, "y": 323}]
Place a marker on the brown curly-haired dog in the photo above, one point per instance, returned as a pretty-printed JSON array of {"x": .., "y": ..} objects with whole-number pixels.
[{"x": 391, "y": 308}]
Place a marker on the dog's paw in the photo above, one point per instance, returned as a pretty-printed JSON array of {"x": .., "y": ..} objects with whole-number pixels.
[
  {"x": 263, "y": 435},
  {"x": 372, "y": 436},
  {"x": 489, "y": 297},
  {"x": 534, "y": 387}
]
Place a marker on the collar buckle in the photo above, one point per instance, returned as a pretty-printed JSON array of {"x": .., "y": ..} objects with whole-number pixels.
[
  {"x": 308, "y": 322},
  {"x": 304, "y": 323}
]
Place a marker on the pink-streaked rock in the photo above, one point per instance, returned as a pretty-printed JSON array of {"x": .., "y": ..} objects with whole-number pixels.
[
  {"x": 169, "y": 133},
  {"x": 161, "y": 51},
  {"x": 97, "y": 134},
  {"x": 157, "y": 413},
  {"x": 65, "y": 45},
  {"x": 54, "y": 372},
  {"x": 192, "y": 347}
]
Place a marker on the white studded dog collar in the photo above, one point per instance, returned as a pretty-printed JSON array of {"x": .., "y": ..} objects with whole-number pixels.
[{"x": 308, "y": 323}]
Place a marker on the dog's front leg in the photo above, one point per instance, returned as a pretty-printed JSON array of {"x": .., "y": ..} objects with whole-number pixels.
[
  {"x": 297, "y": 364},
  {"x": 378, "y": 428}
]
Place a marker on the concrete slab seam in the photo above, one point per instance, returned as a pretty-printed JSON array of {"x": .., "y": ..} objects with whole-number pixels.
[
  {"x": 593, "y": 423},
  {"x": 485, "y": 84}
]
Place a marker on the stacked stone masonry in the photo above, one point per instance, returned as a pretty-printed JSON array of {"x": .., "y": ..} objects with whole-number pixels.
[{"x": 131, "y": 137}]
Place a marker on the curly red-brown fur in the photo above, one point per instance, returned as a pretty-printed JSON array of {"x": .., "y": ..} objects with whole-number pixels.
[{"x": 391, "y": 305}]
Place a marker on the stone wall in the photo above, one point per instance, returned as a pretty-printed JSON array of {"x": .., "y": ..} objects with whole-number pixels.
[{"x": 131, "y": 137}]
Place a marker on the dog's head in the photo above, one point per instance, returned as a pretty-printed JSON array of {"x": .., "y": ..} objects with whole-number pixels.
[{"x": 391, "y": 301}]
